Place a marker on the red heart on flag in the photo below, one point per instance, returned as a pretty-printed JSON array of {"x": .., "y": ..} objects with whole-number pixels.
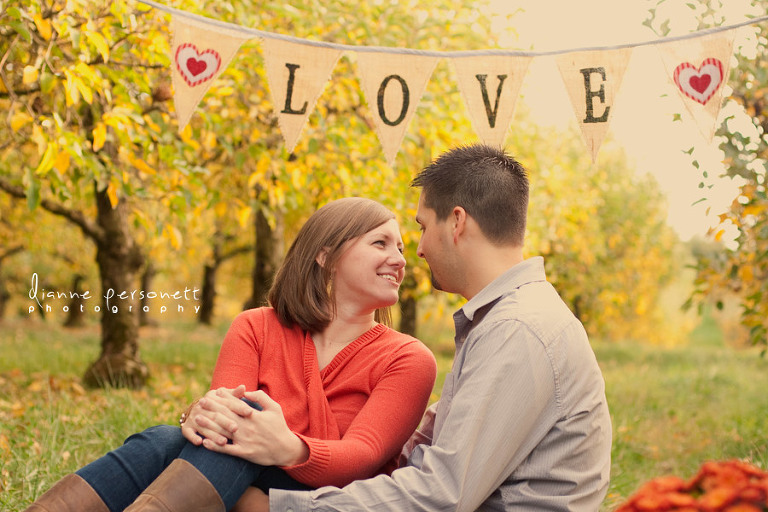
[
  {"x": 194, "y": 66},
  {"x": 700, "y": 83}
]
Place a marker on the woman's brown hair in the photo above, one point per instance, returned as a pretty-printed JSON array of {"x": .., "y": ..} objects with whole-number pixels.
[{"x": 302, "y": 292}]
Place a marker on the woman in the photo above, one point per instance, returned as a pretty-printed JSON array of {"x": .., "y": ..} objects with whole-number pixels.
[{"x": 350, "y": 389}]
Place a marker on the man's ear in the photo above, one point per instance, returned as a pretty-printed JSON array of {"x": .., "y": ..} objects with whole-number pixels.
[
  {"x": 321, "y": 256},
  {"x": 459, "y": 219}
]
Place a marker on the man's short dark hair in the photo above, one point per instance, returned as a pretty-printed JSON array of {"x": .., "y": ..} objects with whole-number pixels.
[{"x": 489, "y": 184}]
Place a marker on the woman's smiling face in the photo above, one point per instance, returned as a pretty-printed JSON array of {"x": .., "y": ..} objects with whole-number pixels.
[{"x": 369, "y": 272}]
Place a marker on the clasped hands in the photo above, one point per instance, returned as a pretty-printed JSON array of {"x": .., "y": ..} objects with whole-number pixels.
[{"x": 221, "y": 422}]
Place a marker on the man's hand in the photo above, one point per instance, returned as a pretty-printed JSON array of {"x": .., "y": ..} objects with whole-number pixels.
[{"x": 262, "y": 437}]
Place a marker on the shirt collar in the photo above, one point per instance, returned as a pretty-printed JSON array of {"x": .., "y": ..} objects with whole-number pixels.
[{"x": 525, "y": 272}]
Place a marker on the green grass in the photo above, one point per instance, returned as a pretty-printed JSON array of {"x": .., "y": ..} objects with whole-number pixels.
[
  {"x": 50, "y": 425},
  {"x": 672, "y": 408}
]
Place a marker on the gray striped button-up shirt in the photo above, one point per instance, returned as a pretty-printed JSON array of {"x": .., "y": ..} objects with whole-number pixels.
[{"x": 522, "y": 422}]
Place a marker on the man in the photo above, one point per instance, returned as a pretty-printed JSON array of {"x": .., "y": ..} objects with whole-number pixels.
[{"x": 522, "y": 423}]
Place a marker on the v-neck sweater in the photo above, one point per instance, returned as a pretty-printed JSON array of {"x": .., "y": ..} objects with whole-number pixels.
[{"x": 355, "y": 414}]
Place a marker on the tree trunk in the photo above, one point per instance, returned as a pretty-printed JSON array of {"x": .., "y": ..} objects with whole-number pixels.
[
  {"x": 146, "y": 284},
  {"x": 119, "y": 260},
  {"x": 208, "y": 289},
  {"x": 576, "y": 307},
  {"x": 4, "y": 294},
  {"x": 208, "y": 293},
  {"x": 269, "y": 251},
  {"x": 76, "y": 315},
  {"x": 408, "y": 322}
]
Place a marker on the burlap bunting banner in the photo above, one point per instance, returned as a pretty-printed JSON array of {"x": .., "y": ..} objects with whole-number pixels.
[
  {"x": 393, "y": 80},
  {"x": 592, "y": 80},
  {"x": 296, "y": 74},
  {"x": 198, "y": 55},
  {"x": 490, "y": 86},
  {"x": 393, "y": 84},
  {"x": 699, "y": 71}
]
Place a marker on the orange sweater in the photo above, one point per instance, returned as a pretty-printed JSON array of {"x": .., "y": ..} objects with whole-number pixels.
[{"x": 354, "y": 415}]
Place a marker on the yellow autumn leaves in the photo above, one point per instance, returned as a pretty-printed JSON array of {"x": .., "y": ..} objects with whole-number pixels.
[{"x": 44, "y": 27}]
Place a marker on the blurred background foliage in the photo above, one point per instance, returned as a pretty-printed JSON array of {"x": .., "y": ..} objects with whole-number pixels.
[{"x": 99, "y": 190}]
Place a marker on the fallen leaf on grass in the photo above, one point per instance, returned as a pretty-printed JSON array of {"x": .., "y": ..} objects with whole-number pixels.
[{"x": 5, "y": 445}]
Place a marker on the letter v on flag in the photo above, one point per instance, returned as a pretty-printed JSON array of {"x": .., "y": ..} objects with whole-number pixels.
[
  {"x": 296, "y": 74},
  {"x": 490, "y": 86}
]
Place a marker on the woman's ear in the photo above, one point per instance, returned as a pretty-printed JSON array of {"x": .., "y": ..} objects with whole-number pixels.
[{"x": 321, "y": 256}]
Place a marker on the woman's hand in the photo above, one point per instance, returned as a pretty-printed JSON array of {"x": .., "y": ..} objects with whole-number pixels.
[
  {"x": 214, "y": 417},
  {"x": 253, "y": 500},
  {"x": 261, "y": 437}
]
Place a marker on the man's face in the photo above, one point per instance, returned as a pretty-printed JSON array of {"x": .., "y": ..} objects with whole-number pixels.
[{"x": 433, "y": 246}]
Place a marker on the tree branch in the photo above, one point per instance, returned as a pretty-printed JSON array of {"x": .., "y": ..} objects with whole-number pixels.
[
  {"x": 10, "y": 252},
  {"x": 76, "y": 217},
  {"x": 24, "y": 92},
  {"x": 233, "y": 252}
]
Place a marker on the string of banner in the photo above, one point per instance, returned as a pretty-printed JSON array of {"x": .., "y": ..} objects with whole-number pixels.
[{"x": 394, "y": 79}]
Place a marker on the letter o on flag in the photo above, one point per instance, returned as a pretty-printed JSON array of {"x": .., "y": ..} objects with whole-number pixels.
[{"x": 406, "y": 100}]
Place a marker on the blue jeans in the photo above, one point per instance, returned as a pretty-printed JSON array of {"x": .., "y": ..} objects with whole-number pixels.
[{"x": 122, "y": 474}]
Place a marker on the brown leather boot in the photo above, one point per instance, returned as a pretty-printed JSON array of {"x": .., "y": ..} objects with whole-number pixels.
[
  {"x": 70, "y": 494},
  {"x": 180, "y": 488}
]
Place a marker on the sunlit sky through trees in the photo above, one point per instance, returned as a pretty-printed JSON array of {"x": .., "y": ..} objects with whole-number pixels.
[{"x": 643, "y": 120}]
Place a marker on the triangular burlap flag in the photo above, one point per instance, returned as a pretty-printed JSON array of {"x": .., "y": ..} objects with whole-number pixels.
[
  {"x": 699, "y": 70},
  {"x": 199, "y": 53},
  {"x": 593, "y": 79},
  {"x": 393, "y": 84},
  {"x": 490, "y": 86},
  {"x": 296, "y": 74}
]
